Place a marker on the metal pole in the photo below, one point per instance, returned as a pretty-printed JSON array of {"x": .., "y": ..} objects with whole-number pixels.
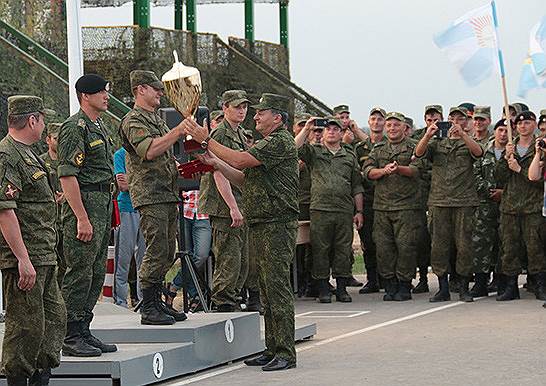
[
  {"x": 135, "y": 12},
  {"x": 75, "y": 52},
  {"x": 178, "y": 14},
  {"x": 143, "y": 13},
  {"x": 191, "y": 11},
  {"x": 283, "y": 21},
  {"x": 249, "y": 20}
]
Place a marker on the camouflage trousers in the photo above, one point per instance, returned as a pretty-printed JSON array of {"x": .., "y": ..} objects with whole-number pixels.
[
  {"x": 61, "y": 263},
  {"x": 230, "y": 247},
  {"x": 395, "y": 235},
  {"x": 522, "y": 233},
  {"x": 453, "y": 228},
  {"x": 158, "y": 223},
  {"x": 365, "y": 233},
  {"x": 485, "y": 237},
  {"x": 85, "y": 262},
  {"x": 331, "y": 242},
  {"x": 35, "y": 323},
  {"x": 276, "y": 243},
  {"x": 424, "y": 239}
]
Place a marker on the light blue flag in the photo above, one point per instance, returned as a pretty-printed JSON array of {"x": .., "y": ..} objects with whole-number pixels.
[
  {"x": 471, "y": 44},
  {"x": 533, "y": 73}
]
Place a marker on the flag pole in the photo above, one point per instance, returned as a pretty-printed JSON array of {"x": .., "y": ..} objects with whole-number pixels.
[
  {"x": 75, "y": 54},
  {"x": 502, "y": 72}
]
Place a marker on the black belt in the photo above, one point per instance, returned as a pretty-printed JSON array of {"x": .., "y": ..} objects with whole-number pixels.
[{"x": 106, "y": 188}]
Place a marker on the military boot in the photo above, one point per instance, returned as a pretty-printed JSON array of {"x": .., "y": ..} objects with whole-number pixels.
[
  {"x": 391, "y": 288},
  {"x": 454, "y": 282},
  {"x": 422, "y": 286},
  {"x": 501, "y": 283},
  {"x": 443, "y": 294},
  {"x": 464, "y": 293},
  {"x": 372, "y": 285},
  {"x": 151, "y": 312},
  {"x": 540, "y": 291},
  {"x": 341, "y": 290},
  {"x": 325, "y": 296},
  {"x": 352, "y": 282},
  {"x": 492, "y": 286},
  {"x": 40, "y": 378},
  {"x": 16, "y": 381},
  {"x": 480, "y": 285},
  {"x": 74, "y": 344},
  {"x": 404, "y": 292},
  {"x": 531, "y": 283},
  {"x": 312, "y": 289},
  {"x": 511, "y": 292},
  {"x": 253, "y": 304},
  {"x": 93, "y": 340}
]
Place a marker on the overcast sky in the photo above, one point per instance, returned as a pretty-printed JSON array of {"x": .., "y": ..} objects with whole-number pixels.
[{"x": 369, "y": 53}]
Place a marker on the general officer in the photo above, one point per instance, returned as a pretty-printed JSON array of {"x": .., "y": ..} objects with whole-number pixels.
[
  {"x": 152, "y": 178},
  {"x": 268, "y": 174},
  {"x": 221, "y": 200},
  {"x": 86, "y": 174},
  {"x": 396, "y": 207},
  {"x": 35, "y": 312},
  {"x": 453, "y": 199}
]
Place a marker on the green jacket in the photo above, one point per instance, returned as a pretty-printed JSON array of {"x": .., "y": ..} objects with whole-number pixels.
[{"x": 362, "y": 150}]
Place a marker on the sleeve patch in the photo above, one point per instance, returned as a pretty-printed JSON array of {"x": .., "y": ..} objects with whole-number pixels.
[
  {"x": 79, "y": 158},
  {"x": 10, "y": 191}
]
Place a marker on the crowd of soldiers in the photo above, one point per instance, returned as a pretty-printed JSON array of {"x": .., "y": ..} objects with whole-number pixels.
[{"x": 458, "y": 196}]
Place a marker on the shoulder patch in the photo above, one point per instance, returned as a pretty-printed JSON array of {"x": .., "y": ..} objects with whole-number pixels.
[
  {"x": 81, "y": 123},
  {"x": 79, "y": 158},
  {"x": 10, "y": 191}
]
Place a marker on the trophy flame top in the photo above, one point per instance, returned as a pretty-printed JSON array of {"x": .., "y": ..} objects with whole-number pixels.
[{"x": 183, "y": 87}]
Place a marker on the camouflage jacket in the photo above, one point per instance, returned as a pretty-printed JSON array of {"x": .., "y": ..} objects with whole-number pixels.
[
  {"x": 362, "y": 150},
  {"x": 484, "y": 173},
  {"x": 305, "y": 186}
]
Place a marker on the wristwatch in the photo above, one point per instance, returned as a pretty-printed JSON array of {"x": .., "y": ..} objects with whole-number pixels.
[{"x": 205, "y": 143}]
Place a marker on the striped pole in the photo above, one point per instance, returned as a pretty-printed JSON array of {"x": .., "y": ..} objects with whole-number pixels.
[{"x": 108, "y": 286}]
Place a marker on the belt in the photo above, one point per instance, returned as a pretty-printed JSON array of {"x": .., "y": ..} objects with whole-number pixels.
[{"x": 106, "y": 188}]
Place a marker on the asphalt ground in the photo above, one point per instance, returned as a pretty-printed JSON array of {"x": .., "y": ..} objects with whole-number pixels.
[{"x": 372, "y": 342}]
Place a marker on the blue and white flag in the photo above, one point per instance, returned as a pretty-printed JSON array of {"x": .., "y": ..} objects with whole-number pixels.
[
  {"x": 533, "y": 73},
  {"x": 471, "y": 44}
]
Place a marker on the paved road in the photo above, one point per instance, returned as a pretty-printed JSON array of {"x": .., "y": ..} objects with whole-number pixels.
[{"x": 412, "y": 343}]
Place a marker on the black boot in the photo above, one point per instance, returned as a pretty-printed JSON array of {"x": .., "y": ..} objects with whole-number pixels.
[
  {"x": 511, "y": 292},
  {"x": 501, "y": 283},
  {"x": 93, "y": 340},
  {"x": 40, "y": 378},
  {"x": 464, "y": 293},
  {"x": 531, "y": 283},
  {"x": 16, "y": 381},
  {"x": 493, "y": 285},
  {"x": 341, "y": 290},
  {"x": 325, "y": 296},
  {"x": 253, "y": 304},
  {"x": 372, "y": 285},
  {"x": 312, "y": 289},
  {"x": 454, "y": 282},
  {"x": 443, "y": 294},
  {"x": 422, "y": 286},
  {"x": 540, "y": 291},
  {"x": 151, "y": 312},
  {"x": 352, "y": 282},
  {"x": 74, "y": 344},
  {"x": 480, "y": 285},
  {"x": 404, "y": 292},
  {"x": 391, "y": 288}
]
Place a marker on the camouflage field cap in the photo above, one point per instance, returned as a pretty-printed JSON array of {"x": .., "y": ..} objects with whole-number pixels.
[
  {"x": 482, "y": 112},
  {"x": 216, "y": 114},
  {"x": 53, "y": 128},
  {"x": 270, "y": 101},
  {"x": 234, "y": 97},
  {"x": 516, "y": 107},
  {"x": 395, "y": 115},
  {"x": 334, "y": 121},
  {"x": 302, "y": 118},
  {"x": 341, "y": 109},
  {"x": 525, "y": 116},
  {"x": 27, "y": 104},
  {"x": 378, "y": 110},
  {"x": 543, "y": 112},
  {"x": 459, "y": 109},
  {"x": 522, "y": 106},
  {"x": 435, "y": 108},
  {"x": 149, "y": 78},
  {"x": 409, "y": 121}
]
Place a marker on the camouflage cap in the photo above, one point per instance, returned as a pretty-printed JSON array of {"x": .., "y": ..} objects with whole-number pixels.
[
  {"x": 525, "y": 116},
  {"x": 234, "y": 97},
  {"x": 53, "y": 128},
  {"x": 522, "y": 106},
  {"x": 436, "y": 108},
  {"x": 270, "y": 101},
  {"x": 27, "y": 104},
  {"x": 334, "y": 121},
  {"x": 543, "y": 112},
  {"x": 341, "y": 109},
  {"x": 302, "y": 118},
  {"x": 469, "y": 108},
  {"x": 215, "y": 114},
  {"x": 482, "y": 112},
  {"x": 409, "y": 121},
  {"x": 149, "y": 78},
  {"x": 459, "y": 109},
  {"x": 395, "y": 115},
  {"x": 378, "y": 110},
  {"x": 516, "y": 107}
]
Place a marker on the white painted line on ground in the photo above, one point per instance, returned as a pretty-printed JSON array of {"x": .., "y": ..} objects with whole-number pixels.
[{"x": 316, "y": 314}]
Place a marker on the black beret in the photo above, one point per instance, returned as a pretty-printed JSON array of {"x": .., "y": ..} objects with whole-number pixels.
[
  {"x": 502, "y": 122},
  {"x": 525, "y": 116},
  {"x": 91, "y": 84}
]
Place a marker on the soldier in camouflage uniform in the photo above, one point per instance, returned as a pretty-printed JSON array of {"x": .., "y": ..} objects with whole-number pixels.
[
  {"x": 51, "y": 161},
  {"x": 484, "y": 235},
  {"x": 221, "y": 200},
  {"x": 453, "y": 199},
  {"x": 152, "y": 178},
  {"x": 268, "y": 173},
  {"x": 521, "y": 221},
  {"x": 336, "y": 194},
  {"x": 396, "y": 206},
  {"x": 376, "y": 122},
  {"x": 35, "y": 313},
  {"x": 86, "y": 174}
]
